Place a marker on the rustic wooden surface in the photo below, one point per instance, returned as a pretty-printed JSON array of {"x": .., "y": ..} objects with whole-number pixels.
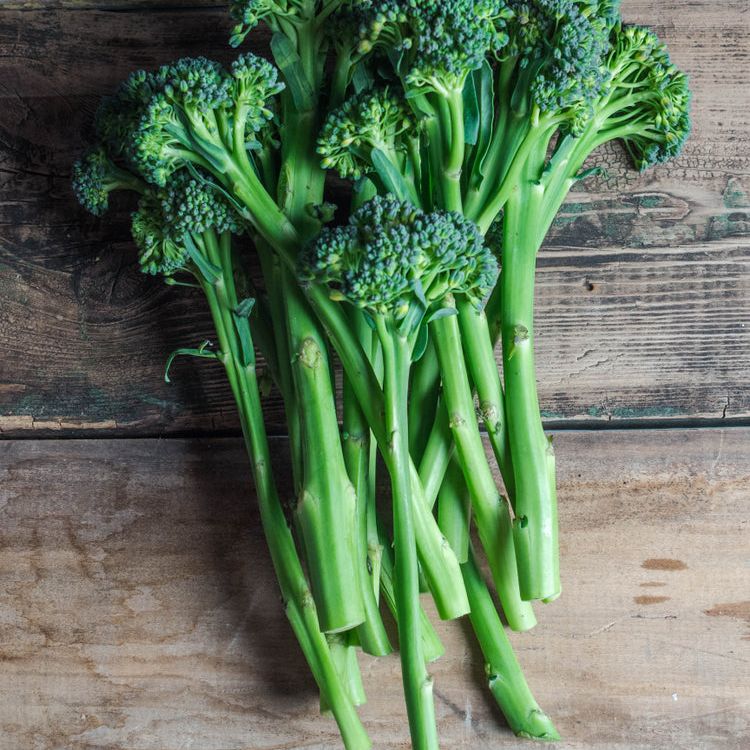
[
  {"x": 138, "y": 610},
  {"x": 643, "y": 291}
]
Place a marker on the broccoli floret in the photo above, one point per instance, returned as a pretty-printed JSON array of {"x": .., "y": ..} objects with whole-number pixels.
[
  {"x": 392, "y": 256},
  {"x": 158, "y": 122},
  {"x": 560, "y": 48},
  {"x": 188, "y": 205},
  {"x": 95, "y": 176},
  {"x": 158, "y": 253},
  {"x": 648, "y": 106},
  {"x": 370, "y": 120},
  {"x": 438, "y": 42},
  {"x": 194, "y": 206},
  {"x": 279, "y": 15},
  {"x": 256, "y": 84}
]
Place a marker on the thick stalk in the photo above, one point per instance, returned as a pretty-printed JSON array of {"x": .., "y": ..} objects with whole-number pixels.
[
  {"x": 432, "y": 648},
  {"x": 274, "y": 274},
  {"x": 437, "y": 453},
  {"x": 491, "y": 512},
  {"x": 299, "y": 604},
  {"x": 417, "y": 683},
  {"x": 504, "y": 675},
  {"x": 452, "y": 123},
  {"x": 326, "y": 509},
  {"x": 436, "y": 558},
  {"x": 535, "y": 526}
]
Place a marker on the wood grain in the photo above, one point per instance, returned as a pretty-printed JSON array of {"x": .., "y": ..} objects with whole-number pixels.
[
  {"x": 643, "y": 288},
  {"x": 138, "y": 608}
]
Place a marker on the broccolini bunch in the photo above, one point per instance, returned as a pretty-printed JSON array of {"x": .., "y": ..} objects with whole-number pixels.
[{"x": 447, "y": 121}]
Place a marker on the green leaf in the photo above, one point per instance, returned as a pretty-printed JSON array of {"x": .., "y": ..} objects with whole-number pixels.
[
  {"x": 289, "y": 63},
  {"x": 247, "y": 348},
  {"x": 241, "y": 316},
  {"x": 208, "y": 270},
  {"x": 362, "y": 79},
  {"x": 201, "y": 352},
  {"x": 245, "y": 307},
  {"x": 419, "y": 292},
  {"x": 471, "y": 111},
  {"x": 484, "y": 84},
  {"x": 368, "y": 319},
  {"x": 392, "y": 179},
  {"x": 443, "y": 312},
  {"x": 420, "y": 346}
]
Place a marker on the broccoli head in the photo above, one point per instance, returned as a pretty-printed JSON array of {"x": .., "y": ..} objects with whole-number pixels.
[
  {"x": 158, "y": 253},
  {"x": 95, "y": 176},
  {"x": 256, "y": 83},
  {"x": 648, "y": 105},
  {"x": 192, "y": 205},
  {"x": 437, "y": 42},
  {"x": 369, "y": 120},
  {"x": 392, "y": 256},
  {"x": 277, "y": 14},
  {"x": 560, "y": 49},
  {"x": 159, "y": 122},
  {"x": 188, "y": 205}
]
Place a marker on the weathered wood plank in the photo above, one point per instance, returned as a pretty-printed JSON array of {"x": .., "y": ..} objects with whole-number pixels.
[
  {"x": 138, "y": 608},
  {"x": 661, "y": 333}
]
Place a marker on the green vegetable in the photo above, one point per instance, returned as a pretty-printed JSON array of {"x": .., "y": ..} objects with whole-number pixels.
[{"x": 456, "y": 126}]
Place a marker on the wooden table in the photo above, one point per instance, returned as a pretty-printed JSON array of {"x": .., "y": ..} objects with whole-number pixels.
[
  {"x": 138, "y": 608},
  {"x": 137, "y": 605}
]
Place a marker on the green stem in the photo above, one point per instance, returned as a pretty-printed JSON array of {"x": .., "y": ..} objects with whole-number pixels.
[
  {"x": 437, "y": 453},
  {"x": 432, "y": 648},
  {"x": 326, "y": 509},
  {"x": 274, "y": 278},
  {"x": 452, "y": 123},
  {"x": 299, "y": 604},
  {"x": 423, "y": 399},
  {"x": 356, "y": 444},
  {"x": 480, "y": 358},
  {"x": 504, "y": 675},
  {"x": 436, "y": 558},
  {"x": 417, "y": 683},
  {"x": 490, "y": 510},
  {"x": 535, "y": 526},
  {"x": 454, "y": 511}
]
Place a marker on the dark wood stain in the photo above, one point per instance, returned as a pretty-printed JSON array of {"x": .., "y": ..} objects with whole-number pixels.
[
  {"x": 650, "y": 599},
  {"x": 663, "y": 563}
]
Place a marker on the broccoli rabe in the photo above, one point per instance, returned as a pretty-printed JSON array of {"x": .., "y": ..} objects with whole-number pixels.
[
  {"x": 398, "y": 264},
  {"x": 454, "y": 120}
]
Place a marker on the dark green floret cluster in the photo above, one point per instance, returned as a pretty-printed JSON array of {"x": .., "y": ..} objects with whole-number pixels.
[
  {"x": 95, "y": 176},
  {"x": 158, "y": 253},
  {"x": 189, "y": 205},
  {"x": 437, "y": 42},
  {"x": 649, "y": 99},
  {"x": 188, "y": 112},
  {"x": 372, "y": 120},
  {"x": 560, "y": 46},
  {"x": 193, "y": 205},
  {"x": 392, "y": 255},
  {"x": 456, "y": 129}
]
